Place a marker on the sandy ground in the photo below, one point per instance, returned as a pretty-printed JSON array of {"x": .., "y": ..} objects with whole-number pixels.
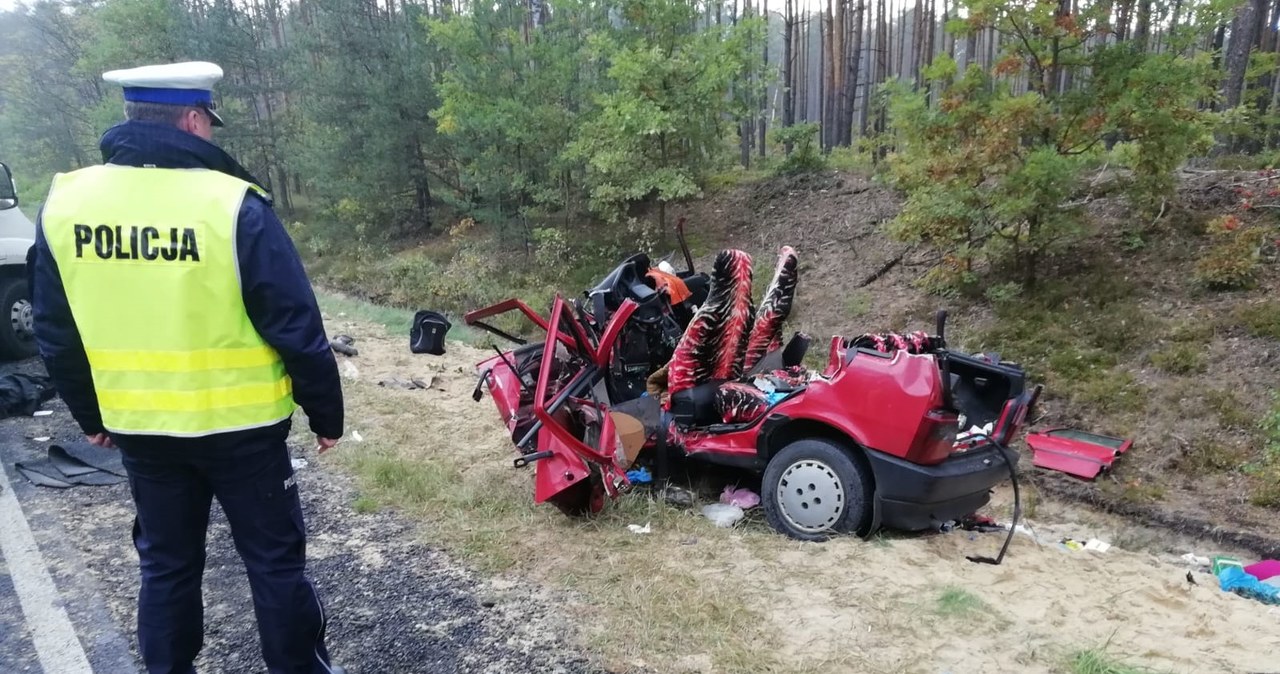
[{"x": 850, "y": 605}]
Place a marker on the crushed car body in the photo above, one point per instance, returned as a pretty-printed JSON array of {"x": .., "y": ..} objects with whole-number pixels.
[{"x": 867, "y": 440}]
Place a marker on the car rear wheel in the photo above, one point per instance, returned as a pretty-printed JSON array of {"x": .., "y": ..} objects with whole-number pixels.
[
  {"x": 17, "y": 338},
  {"x": 815, "y": 489}
]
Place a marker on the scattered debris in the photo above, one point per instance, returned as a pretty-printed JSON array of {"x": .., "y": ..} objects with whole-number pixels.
[
  {"x": 1264, "y": 570},
  {"x": 1074, "y": 451},
  {"x": 1233, "y": 578},
  {"x": 637, "y": 529},
  {"x": 349, "y": 370},
  {"x": 722, "y": 514},
  {"x": 299, "y": 463},
  {"x": 678, "y": 497},
  {"x": 1198, "y": 562},
  {"x": 43, "y": 413},
  {"x": 355, "y": 435},
  {"x": 411, "y": 384},
  {"x": 76, "y": 463},
  {"x": 43, "y": 438},
  {"x": 743, "y": 498},
  {"x": 639, "y": 476},
  {"x": 342, "y": 344},
  {"x": 22, "y": 395}
]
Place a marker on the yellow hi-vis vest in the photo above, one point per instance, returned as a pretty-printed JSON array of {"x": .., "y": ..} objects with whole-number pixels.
[{"x": 148, "y": 260}]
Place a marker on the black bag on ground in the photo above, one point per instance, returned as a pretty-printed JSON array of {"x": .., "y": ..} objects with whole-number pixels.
[{"x": 427, "y": 333}]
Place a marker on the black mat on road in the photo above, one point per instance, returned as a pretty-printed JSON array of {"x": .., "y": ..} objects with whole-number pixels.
[{"x": 72, "y": 464}]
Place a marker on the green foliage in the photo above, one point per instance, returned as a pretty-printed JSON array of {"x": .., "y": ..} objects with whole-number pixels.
[
  {"x": 805, "y": 156},
  {"x": 662, "y": 114},
  {"x": 509, "y": 105},
  {"x": 1261, "y": 319},
  {"x": 1180, "y": 359},
  {"x": 1266, "y": 482},
  {"x": 1211, "y": 455},
  {"x": 957, "y": 602},
  {"x": 1233, "y": 260},
  {"x": 991, "y": 173},
  {"x": 1098, "y": 661}
]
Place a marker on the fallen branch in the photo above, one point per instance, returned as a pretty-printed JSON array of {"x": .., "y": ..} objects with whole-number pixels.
[
  {"x": 884, "y": 269},
  {"x": 1159, "y": 215}
]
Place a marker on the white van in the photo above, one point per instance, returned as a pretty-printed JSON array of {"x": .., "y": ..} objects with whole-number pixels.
[{"x": 17, "y": 233}]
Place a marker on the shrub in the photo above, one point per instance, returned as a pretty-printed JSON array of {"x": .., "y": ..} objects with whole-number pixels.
[
  {"x": 1232, "y": 263},
  {"x": 804, "y": 156},
  {"x": 1260, "y": 320},
  {"x": 1179, "y": 359}
]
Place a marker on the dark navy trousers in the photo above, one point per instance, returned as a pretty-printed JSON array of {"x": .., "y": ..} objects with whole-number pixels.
[{"x": 174, "y": 481}]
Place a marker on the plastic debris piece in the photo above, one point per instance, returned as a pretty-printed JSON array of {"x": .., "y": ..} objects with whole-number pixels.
[
  {"x": 1195, "y": 560},
  {"x": 1220, "y": 562},
  {"x": 355, "y": 435},
  {"x": 678, "y": 497},
  {"x": 299, "y": 463},
  {"x": 743, "y": 498},
  {"x": 723, "y": 515},
  {"x": 637, "y": 529},
  {"x": 1235, "y": 579},
  {"x": 43, "y": 438},
  {"x": 1095, "y": 544},
  {"x": 42, "y": 413},
  {"x": 639, "y": 476},
  {"x": 349, "y": 370}
]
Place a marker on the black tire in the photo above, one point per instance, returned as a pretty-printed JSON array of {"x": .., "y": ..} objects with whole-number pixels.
[
  {"x": 798, "y": 509},
  {"x": 17, "y": 342}
]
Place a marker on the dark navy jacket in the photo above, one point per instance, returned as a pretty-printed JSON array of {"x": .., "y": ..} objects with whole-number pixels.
[{"x": 277, "y": 293}]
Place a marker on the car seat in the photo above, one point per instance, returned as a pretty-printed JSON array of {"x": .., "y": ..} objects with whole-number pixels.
[
  {"x": 710, "y": 351},
  {"x": 706, "y": 379}
]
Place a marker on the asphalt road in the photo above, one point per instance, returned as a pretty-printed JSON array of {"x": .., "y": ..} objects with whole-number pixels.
[{"x": 68, "y": 583}]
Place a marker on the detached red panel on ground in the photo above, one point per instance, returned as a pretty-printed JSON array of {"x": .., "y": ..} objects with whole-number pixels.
[{"x": 1075, "y": 452}]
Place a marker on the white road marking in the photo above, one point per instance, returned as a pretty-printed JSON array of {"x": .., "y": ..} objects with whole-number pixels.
[{"x": 57, "y": 646}]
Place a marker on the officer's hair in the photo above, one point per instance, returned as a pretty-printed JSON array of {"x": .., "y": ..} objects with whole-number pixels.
[{"x": 155, "y": 112}]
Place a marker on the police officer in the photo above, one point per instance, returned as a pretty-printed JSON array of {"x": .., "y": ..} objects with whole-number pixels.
[{"x": 175, "y": 318}]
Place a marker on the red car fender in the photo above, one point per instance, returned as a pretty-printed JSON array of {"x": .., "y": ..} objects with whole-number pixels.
[
  {"x": 878, "y": 401},
  {"x": 558, "y": 472}
]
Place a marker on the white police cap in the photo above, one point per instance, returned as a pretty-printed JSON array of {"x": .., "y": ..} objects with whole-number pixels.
[{"x": 190, "y": 83}]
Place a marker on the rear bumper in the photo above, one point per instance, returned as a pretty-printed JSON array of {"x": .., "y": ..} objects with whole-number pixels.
[{"x": 913, "y": 497}]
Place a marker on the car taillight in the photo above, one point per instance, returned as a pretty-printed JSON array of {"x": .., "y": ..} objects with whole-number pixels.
[{"x": 936, "y": 436}]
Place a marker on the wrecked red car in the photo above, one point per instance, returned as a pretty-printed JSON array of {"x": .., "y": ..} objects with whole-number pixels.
[{"x": 865, "y": 439}]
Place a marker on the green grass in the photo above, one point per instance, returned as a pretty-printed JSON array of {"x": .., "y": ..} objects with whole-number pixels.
[
  {"x": 365, "y": 505},
  {"x": 957, "y": 602},
  {"x": 397, "y": 321},
  {"x": 1098, "y": 661},
  {"x": 1212, "y": 455},
  {"x": 1229, "y": 409},
  {"x": 858, "y": 304},
  {"x": 1260, "y": 320},
  {"x": 1182, "y": 359}
]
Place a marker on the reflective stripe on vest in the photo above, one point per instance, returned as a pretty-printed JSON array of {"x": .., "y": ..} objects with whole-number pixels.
[{"x": 148, "y": 260}]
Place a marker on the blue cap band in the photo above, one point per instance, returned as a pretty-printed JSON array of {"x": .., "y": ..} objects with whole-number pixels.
[{"x": 168, "y": 96}]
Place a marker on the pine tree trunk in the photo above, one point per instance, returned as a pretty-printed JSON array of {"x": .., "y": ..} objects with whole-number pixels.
[
  {"x": 1243, "y": 27},
  {"x": 788, "y": 69},
  {"x": 764, "y": 94},
  {"x": 851, "y": 77},
  {"x": 829, "y": 79}
]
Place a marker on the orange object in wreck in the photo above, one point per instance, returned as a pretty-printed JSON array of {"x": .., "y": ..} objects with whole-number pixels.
[{"x": 674, "y": 285}]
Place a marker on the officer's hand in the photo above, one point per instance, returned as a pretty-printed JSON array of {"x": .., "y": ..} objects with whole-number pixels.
[
  {"x": 325, "y": 444},
  {"x": 101, "y": 440}
]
